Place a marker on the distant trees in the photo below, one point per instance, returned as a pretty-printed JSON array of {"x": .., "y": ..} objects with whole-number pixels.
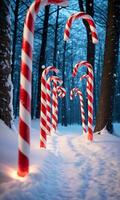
[
  {"x": 49, "y": 49},
  {"x": 5, "y": 64},
  {"x": 105, "y": 109}
]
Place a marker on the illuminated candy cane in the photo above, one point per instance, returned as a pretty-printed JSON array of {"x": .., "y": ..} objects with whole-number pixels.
[
  {"x": 86, "y": 17},
  {"x": 77, "y": 91},
  {"x": 89, "y": 93},
  {"x": 25, "y": 84}
]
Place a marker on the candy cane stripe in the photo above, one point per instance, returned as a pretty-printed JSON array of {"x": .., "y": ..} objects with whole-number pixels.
[
  {"x": 23, "y": 125},
  {"x": 26, "y": 60},
  {"x": 42, "y": 141},
  {"x": 27, "y": 48},
  {"x": 27, "y": 105},
  {"x": 24, "y": 114},
  {"x": 25, "y": 84},
  {"x": 28, "y": 34},
  {"x": 30, "y": 23},
  {"x": 26, "y": 72},
  {"x": 22, "y": 170},
  {"x": 23, "y": 146}
]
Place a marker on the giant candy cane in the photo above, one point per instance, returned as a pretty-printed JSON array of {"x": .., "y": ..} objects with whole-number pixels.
[
  {"x": 77, "y": 91},
  {"x": 90, "y": 21},
  {"x": 89, "y": 93},
  {"x": 25, "y": 84}
]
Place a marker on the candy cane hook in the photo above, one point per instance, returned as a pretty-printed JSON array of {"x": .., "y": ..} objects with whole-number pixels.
[
  {"x": 61, "y": 91},
  {"x": 86, "y": 17}
]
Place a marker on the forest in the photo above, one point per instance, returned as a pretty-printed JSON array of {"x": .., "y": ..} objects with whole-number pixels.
[
  {"x": 51, "y": 49},
  {"x": 60, "y": 100}
]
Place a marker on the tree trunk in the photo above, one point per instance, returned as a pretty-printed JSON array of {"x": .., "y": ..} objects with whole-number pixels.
[
  {"x": 5, "y": 63},
  {"x": 14, "y": 36},
  {"x": 14, "y": 53},
  {"x": 104, "y": 115},
  {"x": 90, "y": 45},
  {"x": 56, "y": 38},
  {"x": 42, "y": 56},
  {"x": 64, "y": 116}
]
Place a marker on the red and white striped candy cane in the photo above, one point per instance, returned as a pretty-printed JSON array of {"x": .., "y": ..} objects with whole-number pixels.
[
  {"x": 45, "y": 99},
  {"x": 50, "y": 121},
  {"x": 25, "y": 91},
  {"x": 85, "y": 76},
  {"x": 56, "y": 80},
  {"x": 90, "y": 21},
  {"x": 61, "y": 92},
  {"x": 89, "y": 93},
  {"x": 25, "y": 84},
  {"x": 77, "y": 91},
  {"x": 48, "y": 101}
]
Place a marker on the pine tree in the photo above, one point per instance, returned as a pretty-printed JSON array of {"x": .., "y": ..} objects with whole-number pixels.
[{"x": 5, "y": 64}]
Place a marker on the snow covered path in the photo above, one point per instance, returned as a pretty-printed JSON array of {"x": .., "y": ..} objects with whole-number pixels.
[{"x": 70, "y": 169}]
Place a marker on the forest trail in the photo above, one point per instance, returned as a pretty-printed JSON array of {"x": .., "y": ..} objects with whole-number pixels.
[
  {"x": 70, "y": 169},
  {"x": 82, "y": 170}
]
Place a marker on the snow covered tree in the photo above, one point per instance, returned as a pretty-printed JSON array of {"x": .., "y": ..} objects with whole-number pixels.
[
  {"x": 5, "y": 64},
  {"x": 104, "y": 116}
]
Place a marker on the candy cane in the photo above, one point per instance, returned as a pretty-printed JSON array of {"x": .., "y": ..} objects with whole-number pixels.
[
  {"x": 77, "y": 91},
  {"x": 56, "y": 80},
  {"x": 61, "y": 92},
  {"x": 25, "y": 84},
  {"x": 25, "y": 91},
  {"x": 45, "y": 106},
  {"x": 90, "y": 21},
  {"x": 48, "y": 102},
  {"x": 89, "y": 93},
  {"x": 85, "y": 76}
]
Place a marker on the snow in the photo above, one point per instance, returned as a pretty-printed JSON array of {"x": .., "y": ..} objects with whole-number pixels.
[
  {"x": 116, "y": 127},
  {"x": 70, "y": 169}
]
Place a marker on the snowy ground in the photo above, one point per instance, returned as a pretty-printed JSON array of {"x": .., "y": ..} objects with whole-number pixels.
[{"x": 70, "y": 168}]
